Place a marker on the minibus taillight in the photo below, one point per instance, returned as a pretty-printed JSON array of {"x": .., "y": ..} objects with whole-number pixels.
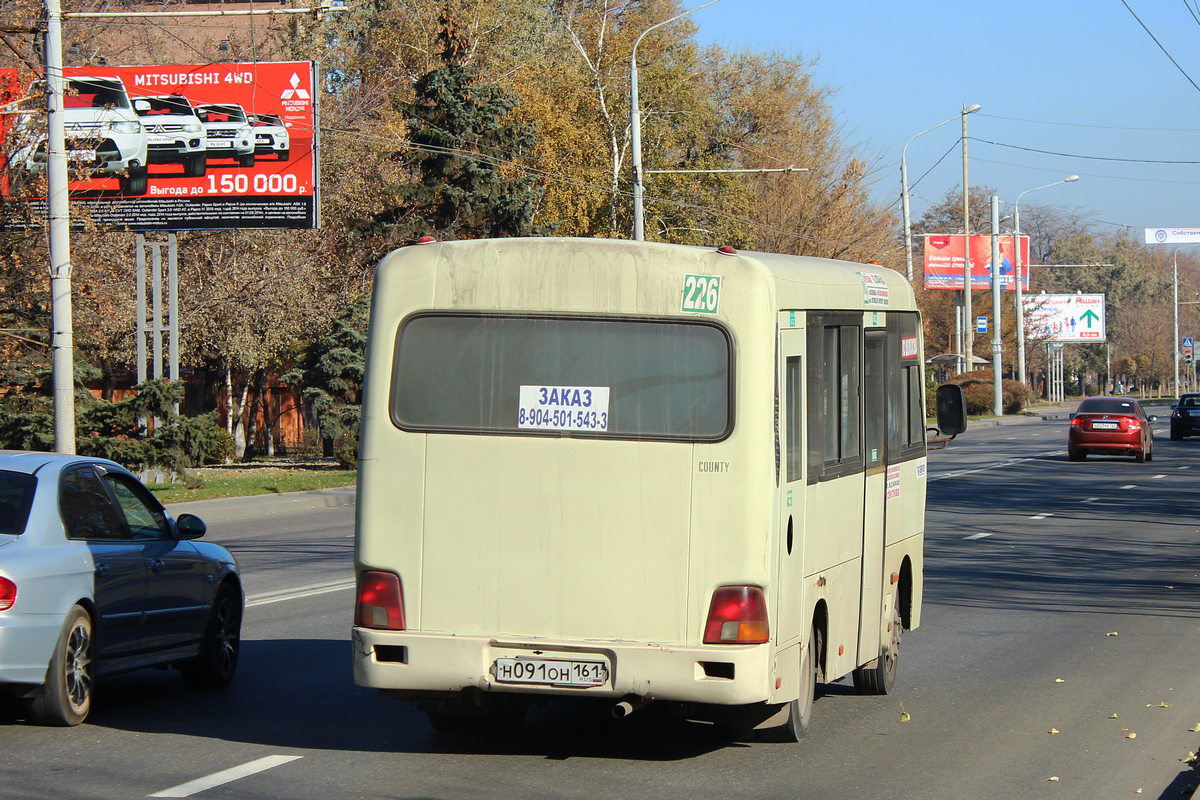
[
  {"x": 737, "y": 615},
  {"x": 380, "y": 601},
  {"x": 8, "y": 594}
]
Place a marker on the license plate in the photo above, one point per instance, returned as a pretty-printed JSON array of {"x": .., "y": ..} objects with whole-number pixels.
[
  {"x": 1106, "y": 426},
  {"x": 220, "y": 144},
  {"x": 81, "y": 155},
  {"x": 550, "y": 671},
  {"x": 262, "y": 138},
  {"x": 160, "y": 138}
]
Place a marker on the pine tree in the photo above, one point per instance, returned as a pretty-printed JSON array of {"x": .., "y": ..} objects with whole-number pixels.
[
  {"x": 331, "y": 373},
  {"x": 463, "y": 148}
]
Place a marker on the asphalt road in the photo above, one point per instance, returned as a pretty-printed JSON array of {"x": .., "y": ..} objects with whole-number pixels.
[{"x": 1062, "y": 614}]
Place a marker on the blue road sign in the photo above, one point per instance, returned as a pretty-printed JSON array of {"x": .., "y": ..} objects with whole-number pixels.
[{"x": 981, "y": 324}]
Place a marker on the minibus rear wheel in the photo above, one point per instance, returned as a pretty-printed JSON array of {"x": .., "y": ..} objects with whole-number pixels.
[{"x": 800, "y": 710}]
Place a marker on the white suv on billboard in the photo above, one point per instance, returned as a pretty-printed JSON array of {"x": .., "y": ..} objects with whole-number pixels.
[
  {"x": 228, "y": 130},
  {"x": 103, "y": 134},
  {"x": 271, "y": 136},
  {"x": 174, "y": 133}
]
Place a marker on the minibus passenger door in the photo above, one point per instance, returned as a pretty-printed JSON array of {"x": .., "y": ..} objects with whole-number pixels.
[
  {"x": 791, "y": 445},
  {"x": 875, "y": 461}
]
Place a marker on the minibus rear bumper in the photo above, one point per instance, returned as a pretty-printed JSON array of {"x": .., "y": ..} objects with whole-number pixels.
[{"x": 421, "y": 663}]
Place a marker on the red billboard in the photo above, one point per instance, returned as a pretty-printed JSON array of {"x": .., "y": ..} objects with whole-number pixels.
[
  {"x": 189, "y": 146},
  {"x": 944, "y": 262},
  {"x": 9, "y": 94}
]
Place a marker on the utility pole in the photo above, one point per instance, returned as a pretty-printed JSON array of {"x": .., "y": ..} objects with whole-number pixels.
[
  {"x": 997, "y": 385},
  {"x": 968, "y": 331},
  {"x": 62, "y": 337}
]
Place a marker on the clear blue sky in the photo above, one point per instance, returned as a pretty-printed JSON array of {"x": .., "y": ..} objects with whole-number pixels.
[{"x": 1079, "y": 77}]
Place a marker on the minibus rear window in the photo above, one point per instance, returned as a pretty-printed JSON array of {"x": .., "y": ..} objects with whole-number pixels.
[{"x": 610, "y": 378}]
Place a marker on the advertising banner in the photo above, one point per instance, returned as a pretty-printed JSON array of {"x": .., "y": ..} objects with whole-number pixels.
[
  {"x": 1065, "y": 317},
  {"x": 9, "y": 93},
  {"x": 1172, "y": 235},
  {"x": 944, "y": 262},
  {"x": 189, "y": 146}
]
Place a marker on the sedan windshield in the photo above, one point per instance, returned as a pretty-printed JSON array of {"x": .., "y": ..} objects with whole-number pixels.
[{"x": 16, "y": 498}]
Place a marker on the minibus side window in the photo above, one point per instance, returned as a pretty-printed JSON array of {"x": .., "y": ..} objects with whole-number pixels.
[{"x": 834, "y": 398}]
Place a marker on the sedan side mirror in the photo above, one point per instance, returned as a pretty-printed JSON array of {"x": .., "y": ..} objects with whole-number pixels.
[
  {"x": 190, "y": 526},
  {"x": 1153, "y": 417}
]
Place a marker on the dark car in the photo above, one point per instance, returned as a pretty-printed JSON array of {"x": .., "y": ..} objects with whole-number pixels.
[
  {"x": 96, "y": 578},
  {"x": 1114, "y": 426},
  {"x": 1185, "y": 416}
]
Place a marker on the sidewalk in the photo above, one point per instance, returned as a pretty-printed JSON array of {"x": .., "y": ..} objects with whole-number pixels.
[{"x": 260, "y": 505}]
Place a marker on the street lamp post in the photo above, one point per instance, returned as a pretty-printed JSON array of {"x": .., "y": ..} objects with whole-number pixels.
[
  {"x": 1017, "y": 272},
  {"x": 904, "y": 185},
  {"x": 635, "y": 125}
]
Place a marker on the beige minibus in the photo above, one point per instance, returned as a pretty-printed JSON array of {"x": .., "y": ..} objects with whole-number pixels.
[{"x": 640, "y": 473}]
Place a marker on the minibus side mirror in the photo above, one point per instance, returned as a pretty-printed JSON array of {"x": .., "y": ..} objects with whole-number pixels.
[
  {"x": 951, "y": 409},
  {"x": 951, "y": 415}
]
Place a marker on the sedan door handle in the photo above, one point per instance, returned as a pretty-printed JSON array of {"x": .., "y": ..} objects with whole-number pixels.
[{"x": 156, "y": 565}]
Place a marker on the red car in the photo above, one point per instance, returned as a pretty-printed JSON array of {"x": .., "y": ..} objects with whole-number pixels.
[{"x": 1110, "y": 426}]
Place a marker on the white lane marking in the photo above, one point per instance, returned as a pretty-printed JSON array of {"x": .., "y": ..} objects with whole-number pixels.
[
  {"x": 1090, "y": 500},
  {"x": 1185, "y": 466},
  {"x": 281, "y": 595},
  {"x": 1129, "y": 486},
  {"x": 997, "y": 465},
  {"x": 1041, "y": 516},
  {"x": 976, "y": 536},
  {"x": 1153, "y": 477},
  {"x": 1009, "y": 438},
  {"x": 224, "y": 776}
]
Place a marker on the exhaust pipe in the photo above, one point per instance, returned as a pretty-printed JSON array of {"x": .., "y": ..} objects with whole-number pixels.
[{"x": 628, "y": 705}]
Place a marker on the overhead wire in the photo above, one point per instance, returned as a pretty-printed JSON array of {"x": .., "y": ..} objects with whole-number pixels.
[
  {"x": 1162, "y": 47},
  {"x": 1080, "y": 155}
]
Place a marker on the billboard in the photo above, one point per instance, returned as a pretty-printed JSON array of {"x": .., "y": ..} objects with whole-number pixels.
[
  {"x": 9, "y": 94},
  {"x": 943, "y": 267},
  {"x": 1172, "y": 235},
  {"x": 1065, "y": 317},
  {"x": 188, "y": 146}
]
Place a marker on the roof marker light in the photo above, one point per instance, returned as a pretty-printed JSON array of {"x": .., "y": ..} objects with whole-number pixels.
[{"x": 726, "y": 250}]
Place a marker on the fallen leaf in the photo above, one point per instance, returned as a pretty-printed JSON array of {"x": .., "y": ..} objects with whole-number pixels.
[
  {"x": 1131, "y": 735},
  {"x": 1160, "y": 705},
  {"x": 1114, "y": 716},
  {"x": 1052, "y": 778},
  {"x": 1196, "y": 728},
  {"x": 1111, "y": 633},
  {"x": 905, "y": 716},
  {"x": 1059, "y": 680},
  {"x": 1053, "y": 731}
]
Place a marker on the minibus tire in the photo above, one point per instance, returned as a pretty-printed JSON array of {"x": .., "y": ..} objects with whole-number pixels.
[
  {"x": 881, "y": 678},
  {"x": 800, "y": 709}
]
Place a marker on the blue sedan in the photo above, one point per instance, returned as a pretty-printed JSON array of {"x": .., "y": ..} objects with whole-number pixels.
[{"x": 96, "y": 578}]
